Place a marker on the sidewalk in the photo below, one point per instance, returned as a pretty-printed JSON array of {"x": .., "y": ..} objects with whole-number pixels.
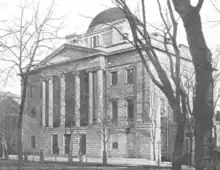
[{"x": 111, "y": 161}]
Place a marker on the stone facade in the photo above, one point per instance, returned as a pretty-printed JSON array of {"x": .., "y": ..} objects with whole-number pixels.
[{"x": 90, "y": 65}]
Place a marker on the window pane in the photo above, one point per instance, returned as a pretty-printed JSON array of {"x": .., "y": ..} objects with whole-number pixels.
[
  {"x": 115, "y": 112},
  {"x": 130, "y": 75},
  {"x": 114, "y": 78},
  {"x": 130, "y": 108}
]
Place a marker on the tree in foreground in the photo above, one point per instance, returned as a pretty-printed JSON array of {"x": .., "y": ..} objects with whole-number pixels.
[
  {"x": 23, "y": 41},
  {"x": 201, "y": 56},
  {"x": 169, "y": 82}
]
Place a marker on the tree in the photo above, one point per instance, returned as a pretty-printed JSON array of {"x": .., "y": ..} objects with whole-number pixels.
[
  {"x": 168, "y": 82},
  {"x": 104, "y": 133},
  {"x": 28, "y": 36},
  {"x": 201, "y": 57}
]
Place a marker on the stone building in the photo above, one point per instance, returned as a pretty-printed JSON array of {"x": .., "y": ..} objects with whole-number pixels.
[
  {"x": 9, "y": 112},
  {"x": 91, "y": 78}
]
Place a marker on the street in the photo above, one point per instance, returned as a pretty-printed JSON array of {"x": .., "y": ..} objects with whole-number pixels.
[{"x": 12, "y": 165}]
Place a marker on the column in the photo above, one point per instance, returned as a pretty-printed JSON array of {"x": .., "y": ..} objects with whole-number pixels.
[
  {"x": 90, "y": 97},
  {"x": 100, "y": 95},
  {"x": 77, "y": 99},
  {"x": 62, "y": 101},
  {"x": 51, "y": 102},
  {"x": 43, "y": 102}
]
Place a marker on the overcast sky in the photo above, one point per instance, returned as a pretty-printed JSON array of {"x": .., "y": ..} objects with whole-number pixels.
[{"x": 75, "y": 23}]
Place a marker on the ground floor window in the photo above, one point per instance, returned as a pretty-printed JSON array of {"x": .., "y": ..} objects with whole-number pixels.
[
  {"x": 55, "y": 146},
  {"x": 67, "y": 138},
  {"x": 115, "y": 141},
  {"x": 82, "y": 144},
  {"x": 33, "y": 142}
]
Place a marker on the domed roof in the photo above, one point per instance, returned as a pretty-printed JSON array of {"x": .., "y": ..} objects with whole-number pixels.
[{"x": 106, "y": 16}]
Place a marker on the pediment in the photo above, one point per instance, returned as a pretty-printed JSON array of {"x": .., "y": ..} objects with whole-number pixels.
[{"x": 68, "y": 52}]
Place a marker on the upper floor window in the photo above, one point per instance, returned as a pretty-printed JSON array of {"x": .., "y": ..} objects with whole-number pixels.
[
  {"x": 130, "y": 108},
  {"x": 114, "y": 78},
  {"x": 130, "y": 75},
  {"x": 107, "y": 38},
  {"x": 162, "y": 106},
  {"x": 31, "y": 90},
  {"x": 94, "y": 41},
  {"x": 33, "y": 112},
  {"x": 217, "y": 117},
  {"x": 115, "y": 111}
]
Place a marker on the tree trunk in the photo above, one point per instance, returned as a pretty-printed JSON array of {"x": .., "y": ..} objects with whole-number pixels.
[
  {"x": 154, "y": 150},
  {"x": 203, "y": 109},
  {"x": 104, "y": 154},
  {"x": 178, "y": 145},
  {"x": 20, "y": 121}
]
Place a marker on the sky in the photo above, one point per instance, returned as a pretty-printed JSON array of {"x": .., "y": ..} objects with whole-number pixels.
[{"x": 72, "y": 10}]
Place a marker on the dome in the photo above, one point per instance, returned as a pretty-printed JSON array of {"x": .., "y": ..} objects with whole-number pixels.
[{"x": 106, "y": 16}]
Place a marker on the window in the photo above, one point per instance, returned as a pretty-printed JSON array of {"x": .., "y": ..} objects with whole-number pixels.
[
  {"x": 130, "y": 109},
  {"x": 67, "y": 142},
  {"x": 217, "y": 116},
  {"x": 33, "y": 112},
  {"x": 115, "y": 141},
  {"x": 119, "y": 37},
  {"x": 86, "y": 41},
  {"x": 115, "y": 112},
  {"x": 94, "y": 41},
  {"x": 114, "y": 78},
  {"x": 162, "y": 107},
  {"x": 31, "y": 90},
  {"x": 33, "y": 142},
  {"x": 55, "y": 146},
  {"x": 130, "y": 75},
  {"x": 107, "y": 38}
]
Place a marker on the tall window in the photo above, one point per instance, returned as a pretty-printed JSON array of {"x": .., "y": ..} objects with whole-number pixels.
[
  {"x": 33, "y": 142},
  {"x": 67, "y": 142},
  {"x": 31, "y": 90},
  {"x": 162, "y": 106},
  {"x": 55, "y": 146},
  {"x": 130, "y": 75},
  {"x": 130, "y": 108},
  {"x": 114, "y": 78},
  {"x": 115, "y": 112}
]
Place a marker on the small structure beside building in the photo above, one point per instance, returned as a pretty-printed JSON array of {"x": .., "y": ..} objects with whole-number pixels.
[{"x": 9, "y": 112}]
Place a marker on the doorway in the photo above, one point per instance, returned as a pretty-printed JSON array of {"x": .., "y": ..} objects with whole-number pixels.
[{"x": 82, "y": 144}]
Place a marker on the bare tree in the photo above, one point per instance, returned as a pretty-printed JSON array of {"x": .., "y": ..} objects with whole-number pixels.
[
  {"x": 168, "y": 82},
  {"x": 32, "y": 32},
  {"x": 201, "y": 57},
  {"x": 105, "y": 124}
]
